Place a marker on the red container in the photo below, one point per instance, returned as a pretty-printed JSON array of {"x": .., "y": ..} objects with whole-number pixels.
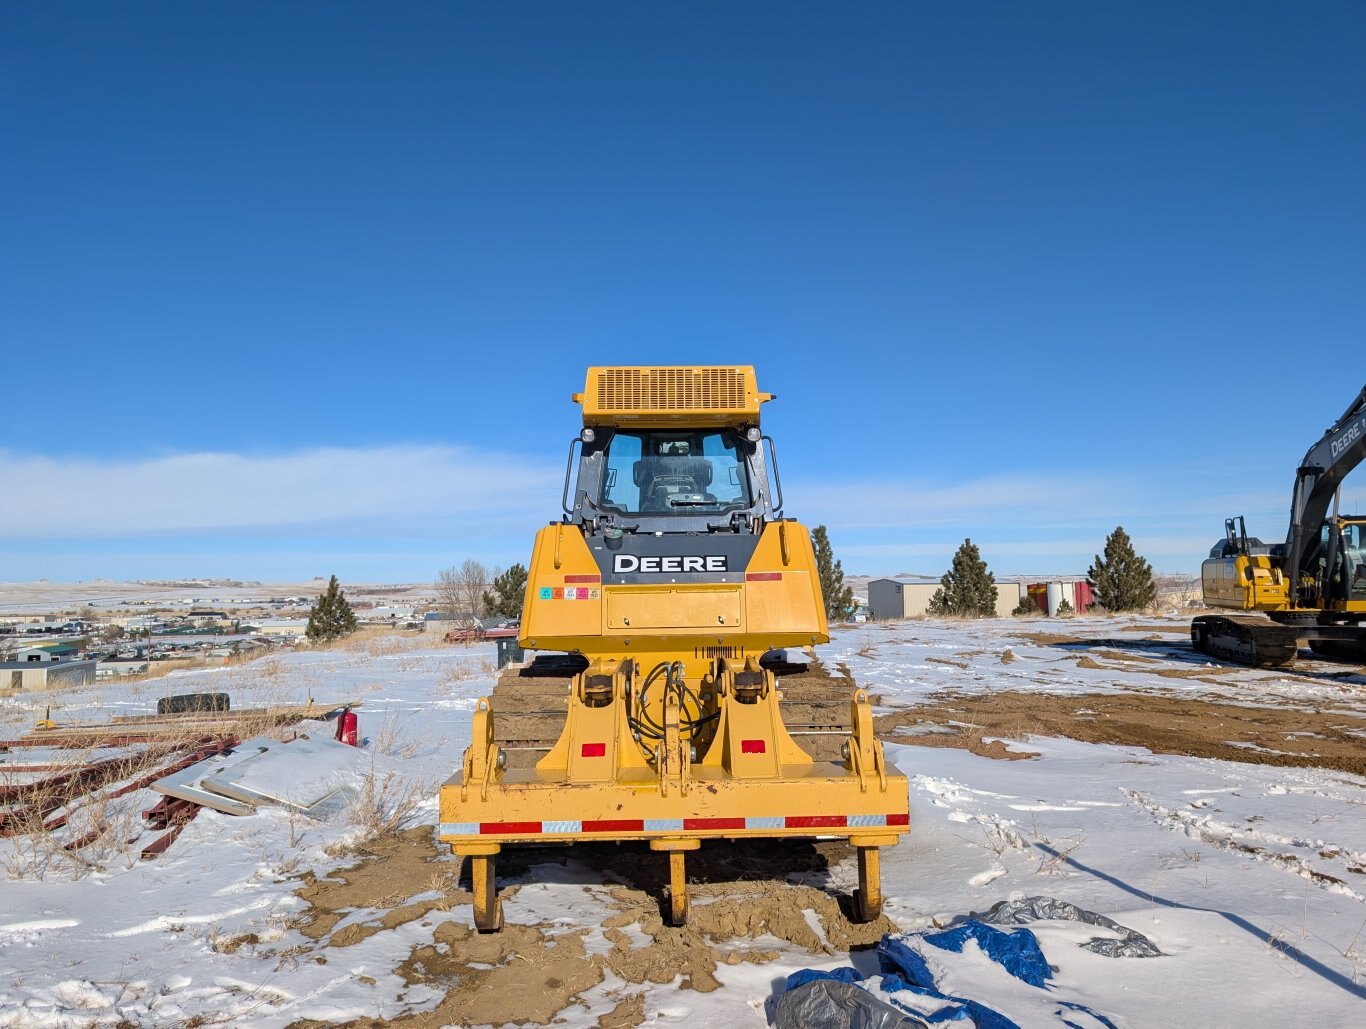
[
  {"x": 348, "y": 727},
  {"x": 1082, "y": 596}
]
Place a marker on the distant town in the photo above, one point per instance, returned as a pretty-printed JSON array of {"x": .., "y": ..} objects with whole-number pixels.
[{"x": 141, "y": 630}]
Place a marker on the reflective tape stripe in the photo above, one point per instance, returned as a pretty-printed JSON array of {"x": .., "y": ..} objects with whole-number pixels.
[
  {"x": 614, "y": 825},
  {"x": 566, "y": 827},
  {"x": 863, "y": 820},
  {"x": 815, "y": 821},
  {"x": 713, "y": 823}
]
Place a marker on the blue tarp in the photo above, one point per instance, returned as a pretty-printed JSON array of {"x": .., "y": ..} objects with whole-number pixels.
[
  {"x": 1018, "y": 951},
  {"x": 906, "y": 972}
]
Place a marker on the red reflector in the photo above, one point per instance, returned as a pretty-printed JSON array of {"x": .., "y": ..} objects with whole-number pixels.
[
  {"x": 510, "y": 828},
  {"x": 614, "y": 825},
  {"x": 898, "y": 819},
  {"x": 814, "y": 821},
  {"x": 763, "y": 576},
  {"x": 594, "y": 750},
  {"x": 582, "y": 578},
  {"x": 713, "y": 823},
  {"x": 753, "y": 747}
]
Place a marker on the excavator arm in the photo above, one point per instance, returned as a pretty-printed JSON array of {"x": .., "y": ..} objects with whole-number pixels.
[{"x": 1326, "y": 464}]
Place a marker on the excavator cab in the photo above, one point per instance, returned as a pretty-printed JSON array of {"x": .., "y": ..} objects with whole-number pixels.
[{"x": 1342, "y": 541}]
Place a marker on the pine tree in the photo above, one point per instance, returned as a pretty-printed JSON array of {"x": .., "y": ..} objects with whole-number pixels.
[
  {"x": 1027, "y": 606},
  {"x": 509, "y": 590},
  {"x": 839, "y": 598},
  {"x": 331, "y": 617},
  {"x": 1122, "y": 580},
  {"x": 967, "y": 588},
  {"x": 1064, "y": 608}
]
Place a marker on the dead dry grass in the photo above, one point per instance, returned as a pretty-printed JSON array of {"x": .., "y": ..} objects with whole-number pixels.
[{"x": 57, "y": 827}]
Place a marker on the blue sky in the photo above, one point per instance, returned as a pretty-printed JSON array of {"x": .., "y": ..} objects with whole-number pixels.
[{"x": 288, "y": 290}]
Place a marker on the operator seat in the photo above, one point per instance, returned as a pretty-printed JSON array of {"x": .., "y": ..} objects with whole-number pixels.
[
  {"x": 662, "y": 477},
  {"x": 1354, "y": 571}
]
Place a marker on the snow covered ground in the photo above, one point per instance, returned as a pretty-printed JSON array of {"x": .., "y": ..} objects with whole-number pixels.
[{"x": 1251, "y": 879}]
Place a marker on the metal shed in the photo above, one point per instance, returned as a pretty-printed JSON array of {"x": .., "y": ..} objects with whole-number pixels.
[{"x": 906, "y": 596}]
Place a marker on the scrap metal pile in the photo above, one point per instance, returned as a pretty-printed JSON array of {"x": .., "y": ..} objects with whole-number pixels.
[{"x": 192, "y": 754}]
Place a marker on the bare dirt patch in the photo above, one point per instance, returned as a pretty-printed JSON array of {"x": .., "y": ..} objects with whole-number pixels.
[
  {"x": 745, "y": 901},
  {"x": 385, "y": 873},
  {"x": 1049, "y": 639},
  {"x": 947, "y": 661},
  {"x": 1119, "y": 655},
  {"x": 1163, "y": 724}
]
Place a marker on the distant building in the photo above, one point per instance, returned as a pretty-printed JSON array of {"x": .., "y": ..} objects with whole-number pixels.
[
  {"x": 45, "y": 675},
  {"x": 112, "y": 667},
  {"x": 281, "y": 626},
  {"x": 388, "y": 616},
  {"x": 908, "y": 596},
  {"x": 45, "y": 652},
  {"x": 210, "y": 619}
]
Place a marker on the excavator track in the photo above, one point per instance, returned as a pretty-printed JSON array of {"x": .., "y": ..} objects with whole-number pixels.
[{"x": 1251, "y": 641}]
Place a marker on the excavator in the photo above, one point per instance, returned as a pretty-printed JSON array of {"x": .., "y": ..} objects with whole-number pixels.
[
  {"x": 674, "y": 579},
  {"x": 1310, "y": 588}
]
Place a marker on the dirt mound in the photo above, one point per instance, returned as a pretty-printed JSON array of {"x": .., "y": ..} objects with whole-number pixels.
[
  {"x": 1163, "y": 724},
  {"x": 742, "y": 900}
]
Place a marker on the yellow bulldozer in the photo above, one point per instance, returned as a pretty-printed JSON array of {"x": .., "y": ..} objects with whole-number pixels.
[{"x": 674, "y": 579}]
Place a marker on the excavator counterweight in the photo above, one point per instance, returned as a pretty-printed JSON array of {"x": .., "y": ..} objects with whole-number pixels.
[{"x": 677, "y": 585}]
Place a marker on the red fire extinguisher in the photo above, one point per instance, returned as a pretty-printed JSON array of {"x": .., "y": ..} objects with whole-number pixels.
[{"x": 348, "y": 727}]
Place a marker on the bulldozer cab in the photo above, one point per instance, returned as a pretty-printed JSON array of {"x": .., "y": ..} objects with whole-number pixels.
[
  {"x": 670, "y": 473},
  {"x": 657, "y": 458}
]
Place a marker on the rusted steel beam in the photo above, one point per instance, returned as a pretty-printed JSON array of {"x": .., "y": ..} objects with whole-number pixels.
[
  {"x": 169, "y": 811},
  {"x": 86, "y": 741},
  {"x": 161, "y": 843},
  {"x": 34, "y": 801},
  {"x": 84, "y": 841},
  {"x": 206, "y": 749}
]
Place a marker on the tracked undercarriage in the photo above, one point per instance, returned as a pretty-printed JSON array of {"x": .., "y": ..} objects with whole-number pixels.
[{"x": 1259, "y": 642}]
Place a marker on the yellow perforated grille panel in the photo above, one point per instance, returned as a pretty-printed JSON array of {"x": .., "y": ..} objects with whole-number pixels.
[{"x": 695, "y": 395}]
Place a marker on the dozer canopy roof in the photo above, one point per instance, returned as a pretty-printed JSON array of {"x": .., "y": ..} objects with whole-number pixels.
[{"x": 701, "y": 396}]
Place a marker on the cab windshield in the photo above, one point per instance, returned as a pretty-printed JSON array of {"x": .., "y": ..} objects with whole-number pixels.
[{"x": 675, "y": 472}]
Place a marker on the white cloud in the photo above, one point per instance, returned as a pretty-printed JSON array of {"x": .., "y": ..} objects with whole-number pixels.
[
  {"x": 326, "y": 487},
  {"x": 1022, "y": 504}
]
